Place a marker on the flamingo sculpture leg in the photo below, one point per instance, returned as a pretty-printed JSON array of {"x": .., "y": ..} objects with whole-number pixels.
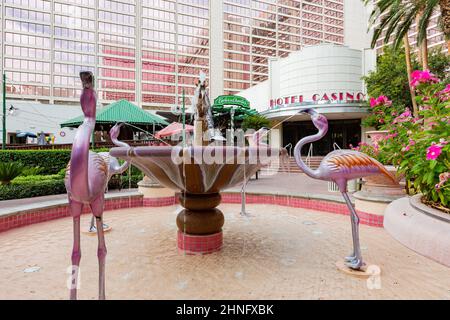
[
  {"x": 341, "y": 166},
  {"x": 86, "y": 180}
]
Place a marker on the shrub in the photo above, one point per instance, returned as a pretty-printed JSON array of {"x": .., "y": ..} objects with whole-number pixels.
[
  {"x": 9, "y": 171},
  {"x": 32, "y": 189},
  {"x": 381, "y": 113},
  {"x": 255, "y": 122},
  {"x": 34, "y": 171},
  {"x": 37, "y": 178},
  {"x": 421, "y": 147},
  {"x": 51, "y": 161}
]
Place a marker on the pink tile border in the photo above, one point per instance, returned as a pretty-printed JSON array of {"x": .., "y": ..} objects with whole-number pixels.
[
  {"x": 46, "y": 214},
  {"x": 297, "y": 202},
  {"x": 192, "y": 245}
]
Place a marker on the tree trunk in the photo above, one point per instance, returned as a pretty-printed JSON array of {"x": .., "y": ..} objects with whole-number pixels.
[
  {"x": 445, "y": 16},
  {"x": 409, "y": 70},
  {"x": 422, "y": 47},
  {"x": 425, "y": 54}
]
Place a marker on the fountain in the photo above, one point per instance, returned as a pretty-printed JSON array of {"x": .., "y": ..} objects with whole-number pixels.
[{"x": 199, "y": 172}]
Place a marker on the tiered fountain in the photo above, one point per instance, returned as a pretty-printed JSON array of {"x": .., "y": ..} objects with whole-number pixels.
[{"x": 199, "y": 172}]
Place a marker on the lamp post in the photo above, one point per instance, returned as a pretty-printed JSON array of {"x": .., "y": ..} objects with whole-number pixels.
[{"x": 4, "y": 112}]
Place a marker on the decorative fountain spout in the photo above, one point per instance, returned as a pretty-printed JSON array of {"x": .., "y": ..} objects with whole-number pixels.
[{"x": 199, "y": 172}]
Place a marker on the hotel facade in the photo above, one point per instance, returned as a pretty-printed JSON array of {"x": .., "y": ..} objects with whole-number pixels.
[
  {"x": 151, "y": 51},
  {"x": 326, "y": 77}
]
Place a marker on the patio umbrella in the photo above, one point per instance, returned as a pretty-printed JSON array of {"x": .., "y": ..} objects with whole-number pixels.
[
  {"x": 26, "y": 135},
  {"x": 173, "y": 129}
]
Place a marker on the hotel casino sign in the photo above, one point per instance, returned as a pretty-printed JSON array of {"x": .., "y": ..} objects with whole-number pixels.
[{"x": 317, "y": 98}]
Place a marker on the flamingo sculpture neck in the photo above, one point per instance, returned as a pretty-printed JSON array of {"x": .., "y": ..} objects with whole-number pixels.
[
  {"x": 322, "y": 126},
  {"x": 79, "y": 180}
]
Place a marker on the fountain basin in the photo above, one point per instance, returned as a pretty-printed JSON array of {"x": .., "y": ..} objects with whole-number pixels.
[{"x": 199, "y": 174}]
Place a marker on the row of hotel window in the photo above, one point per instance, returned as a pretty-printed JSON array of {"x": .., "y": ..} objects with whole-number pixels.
[{"x": 31, "y": 90}]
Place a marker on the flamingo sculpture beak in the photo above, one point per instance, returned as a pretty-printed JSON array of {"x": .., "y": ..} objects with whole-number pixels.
[
  {"x": 119, "y": 125},
  {"x": 309, "y": 111}
]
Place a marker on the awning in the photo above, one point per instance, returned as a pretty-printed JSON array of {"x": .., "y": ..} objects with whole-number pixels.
[
  {"x": 120, "y": 111},
  {"x": 173, "y": 129}
]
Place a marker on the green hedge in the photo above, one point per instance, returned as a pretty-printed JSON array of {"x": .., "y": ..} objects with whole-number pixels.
[
  {"x": 37, "y": 186},
  {"x": 51, "y": 161},
  {"x": 32, "y": 189}
]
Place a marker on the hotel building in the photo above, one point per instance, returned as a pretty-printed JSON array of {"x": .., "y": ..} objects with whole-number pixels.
[
  {"x": 325, "y": 77},
  {"x": 151, "y": 51}
]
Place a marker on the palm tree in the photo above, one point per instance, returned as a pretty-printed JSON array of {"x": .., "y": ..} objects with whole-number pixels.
[{"x": 397, "y": 17}]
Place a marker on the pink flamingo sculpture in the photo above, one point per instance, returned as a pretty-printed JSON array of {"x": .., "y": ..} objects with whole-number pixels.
[
  {"x": 341, "y": 166},
  {"x": 256, "y": 139},
  {"x": 86, "y": 180},
  {"x": 114, "y": 166}
]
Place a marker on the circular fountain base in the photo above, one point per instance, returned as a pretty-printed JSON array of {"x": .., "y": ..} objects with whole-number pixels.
[
  {"x": 200, "y": 173},
  {"x": 193, "y": 245}
]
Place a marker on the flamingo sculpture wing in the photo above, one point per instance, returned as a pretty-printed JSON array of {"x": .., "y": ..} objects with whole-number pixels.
[
  {"x": 114, "y": 167},
  {"x": 341, "y": 166},
  {"x": 86, "y": 180}
]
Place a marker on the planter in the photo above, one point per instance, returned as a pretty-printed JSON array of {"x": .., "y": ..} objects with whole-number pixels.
[
  {"x": 378, "y": 192},
  {"x": 376, "y": 136},
  {"x": 150, "y": 188},
  {"x": 420, "y": 228}
]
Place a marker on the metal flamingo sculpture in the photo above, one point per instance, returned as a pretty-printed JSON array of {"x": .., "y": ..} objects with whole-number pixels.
[
  {"x": 341, "y": 166},
  {"x": 86, "y": 180},
  {"x": 114, "y": 166}
]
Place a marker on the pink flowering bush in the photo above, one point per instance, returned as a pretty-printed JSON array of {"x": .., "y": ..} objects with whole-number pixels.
[
  {"x": 381, "y": 113},
  {"x": 422, "y": 77},
  {"x": 420, "y": 147}
]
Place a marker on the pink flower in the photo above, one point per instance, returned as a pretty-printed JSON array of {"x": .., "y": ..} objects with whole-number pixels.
[
  {"x": 434, "y": 152},
  {"x": 383, "y": 100},
  {"x": 404, "y": 117},
  {"x": 418, "y": 77},
  {"x": 443, "y": 178},
  {"x": 412, "y": 143},
  {"x": 380, "y": 101},
  {"x": 444, "y": 95}
]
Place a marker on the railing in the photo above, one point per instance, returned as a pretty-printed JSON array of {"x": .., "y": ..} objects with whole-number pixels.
[
  {"x": 310, "y": 155},
  {"x": 289, "y": 147}
]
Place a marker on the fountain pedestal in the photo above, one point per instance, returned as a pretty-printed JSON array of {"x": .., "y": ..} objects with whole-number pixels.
[{"x": 200, "y": 223}]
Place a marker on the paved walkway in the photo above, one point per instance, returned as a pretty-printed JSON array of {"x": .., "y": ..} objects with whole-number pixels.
[{"x": 276, "y": 253}]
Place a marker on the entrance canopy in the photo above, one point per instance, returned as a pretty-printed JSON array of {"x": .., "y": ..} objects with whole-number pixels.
[
  {"x": 120, "y": 111},
  {"x": 333, "y": 111}
]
